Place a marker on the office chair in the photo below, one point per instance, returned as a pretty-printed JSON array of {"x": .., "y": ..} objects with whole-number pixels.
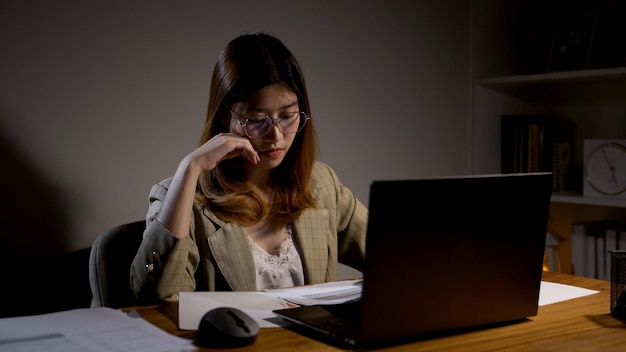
[{"x": 109, "y": 265}]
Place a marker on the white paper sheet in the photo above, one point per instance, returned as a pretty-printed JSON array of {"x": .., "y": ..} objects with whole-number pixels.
[
  {"x": 259, "y": 305},
  {"x": 551, "y": 292},
  {"x": 88, "y": 329}
]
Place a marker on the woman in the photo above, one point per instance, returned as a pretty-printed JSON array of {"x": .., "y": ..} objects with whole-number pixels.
[{"x": 251, "y": 208}]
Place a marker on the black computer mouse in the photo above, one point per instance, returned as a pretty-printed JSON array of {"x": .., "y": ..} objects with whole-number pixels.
[{"x": 226, "y": 327}]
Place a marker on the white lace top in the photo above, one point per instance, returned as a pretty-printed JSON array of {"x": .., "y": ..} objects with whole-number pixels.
[{"x": 277, "y": 271}]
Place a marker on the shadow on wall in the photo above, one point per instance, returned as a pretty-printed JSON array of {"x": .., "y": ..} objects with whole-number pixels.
[{"x": 37, "y": 273}]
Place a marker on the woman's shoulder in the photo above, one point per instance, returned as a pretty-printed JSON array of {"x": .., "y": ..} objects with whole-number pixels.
[
  {"x": 324, "y": 179},
  {"x": 322, "y": 172}
]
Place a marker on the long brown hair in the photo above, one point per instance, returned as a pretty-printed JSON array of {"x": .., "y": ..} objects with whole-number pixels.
[{"x": 248, "y": 63}]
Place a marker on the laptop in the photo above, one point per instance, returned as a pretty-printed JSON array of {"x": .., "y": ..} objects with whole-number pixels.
[{"x": 443, "y": 255}]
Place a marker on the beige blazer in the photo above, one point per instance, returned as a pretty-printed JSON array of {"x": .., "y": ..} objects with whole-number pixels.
[{"x": 216, "y": 256}]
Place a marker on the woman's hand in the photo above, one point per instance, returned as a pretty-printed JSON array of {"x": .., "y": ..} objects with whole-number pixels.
[{"x": 221, "y": 147}]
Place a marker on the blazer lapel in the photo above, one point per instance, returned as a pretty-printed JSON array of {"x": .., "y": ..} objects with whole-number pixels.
[
  {"x": 231, "y": 250},
  {"x": 311, "y": 235}
]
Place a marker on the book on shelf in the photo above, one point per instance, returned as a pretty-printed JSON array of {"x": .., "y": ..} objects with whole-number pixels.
[
  {"x": 591, "y": 241},
  {"x": 537, "y": 143},
  {"x": 593, "y": 256},
  {"x": 561, "y": 157},
  {"x": 526, "y": 144}
]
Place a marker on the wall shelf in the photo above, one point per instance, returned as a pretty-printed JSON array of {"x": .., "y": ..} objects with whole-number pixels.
[
  {"x": 618, "y": 73},
  {"x": 577, "y": 198}
]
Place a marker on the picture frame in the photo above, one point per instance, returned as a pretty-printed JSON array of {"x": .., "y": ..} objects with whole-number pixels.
[{"x": 572, "y": 42}]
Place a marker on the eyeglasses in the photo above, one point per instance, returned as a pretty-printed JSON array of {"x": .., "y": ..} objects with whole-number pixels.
[{"x": 258, "y": 126}]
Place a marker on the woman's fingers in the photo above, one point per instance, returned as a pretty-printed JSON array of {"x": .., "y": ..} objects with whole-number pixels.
[
  {"x": 253, "y": 156},
  {"x": 227, "y": 146},
  {"x": 249, "y": 154}
]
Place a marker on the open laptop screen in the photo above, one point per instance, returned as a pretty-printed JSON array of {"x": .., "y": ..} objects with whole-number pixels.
[{"x": 453, "y": 252}]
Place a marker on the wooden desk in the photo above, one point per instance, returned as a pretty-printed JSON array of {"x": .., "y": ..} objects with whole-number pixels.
[{"x": 581, "y": 324}]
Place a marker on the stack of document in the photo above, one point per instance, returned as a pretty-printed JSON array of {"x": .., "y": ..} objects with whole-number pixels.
[{"x": 327, "y": 293}]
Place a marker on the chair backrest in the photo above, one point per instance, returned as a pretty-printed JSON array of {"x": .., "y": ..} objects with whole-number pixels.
[{"x": 109, "y": 265}]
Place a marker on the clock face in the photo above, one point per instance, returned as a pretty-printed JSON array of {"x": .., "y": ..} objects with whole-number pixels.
[{"x": 605, "y": 168}]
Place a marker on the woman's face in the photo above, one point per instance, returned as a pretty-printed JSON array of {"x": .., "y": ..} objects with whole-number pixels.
[{"x": 275, "y": 101}]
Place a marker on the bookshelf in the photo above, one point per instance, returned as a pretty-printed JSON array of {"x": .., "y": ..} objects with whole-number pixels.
[{"x": 510, "y": 78}]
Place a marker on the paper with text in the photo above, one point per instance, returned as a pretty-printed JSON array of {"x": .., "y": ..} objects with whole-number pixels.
[{"x": 87, "y": 329}]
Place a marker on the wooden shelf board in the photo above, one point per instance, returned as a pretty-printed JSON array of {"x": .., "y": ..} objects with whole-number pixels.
[
  {"x": 556, "y": 77},
  {"x": 577, "y": 198}
]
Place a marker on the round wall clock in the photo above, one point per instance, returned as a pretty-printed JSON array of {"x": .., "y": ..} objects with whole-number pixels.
[{"x": 604, "y": 168}]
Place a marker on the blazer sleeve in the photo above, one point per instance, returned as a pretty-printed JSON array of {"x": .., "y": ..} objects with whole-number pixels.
[{"x": 164, "y": 265}]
